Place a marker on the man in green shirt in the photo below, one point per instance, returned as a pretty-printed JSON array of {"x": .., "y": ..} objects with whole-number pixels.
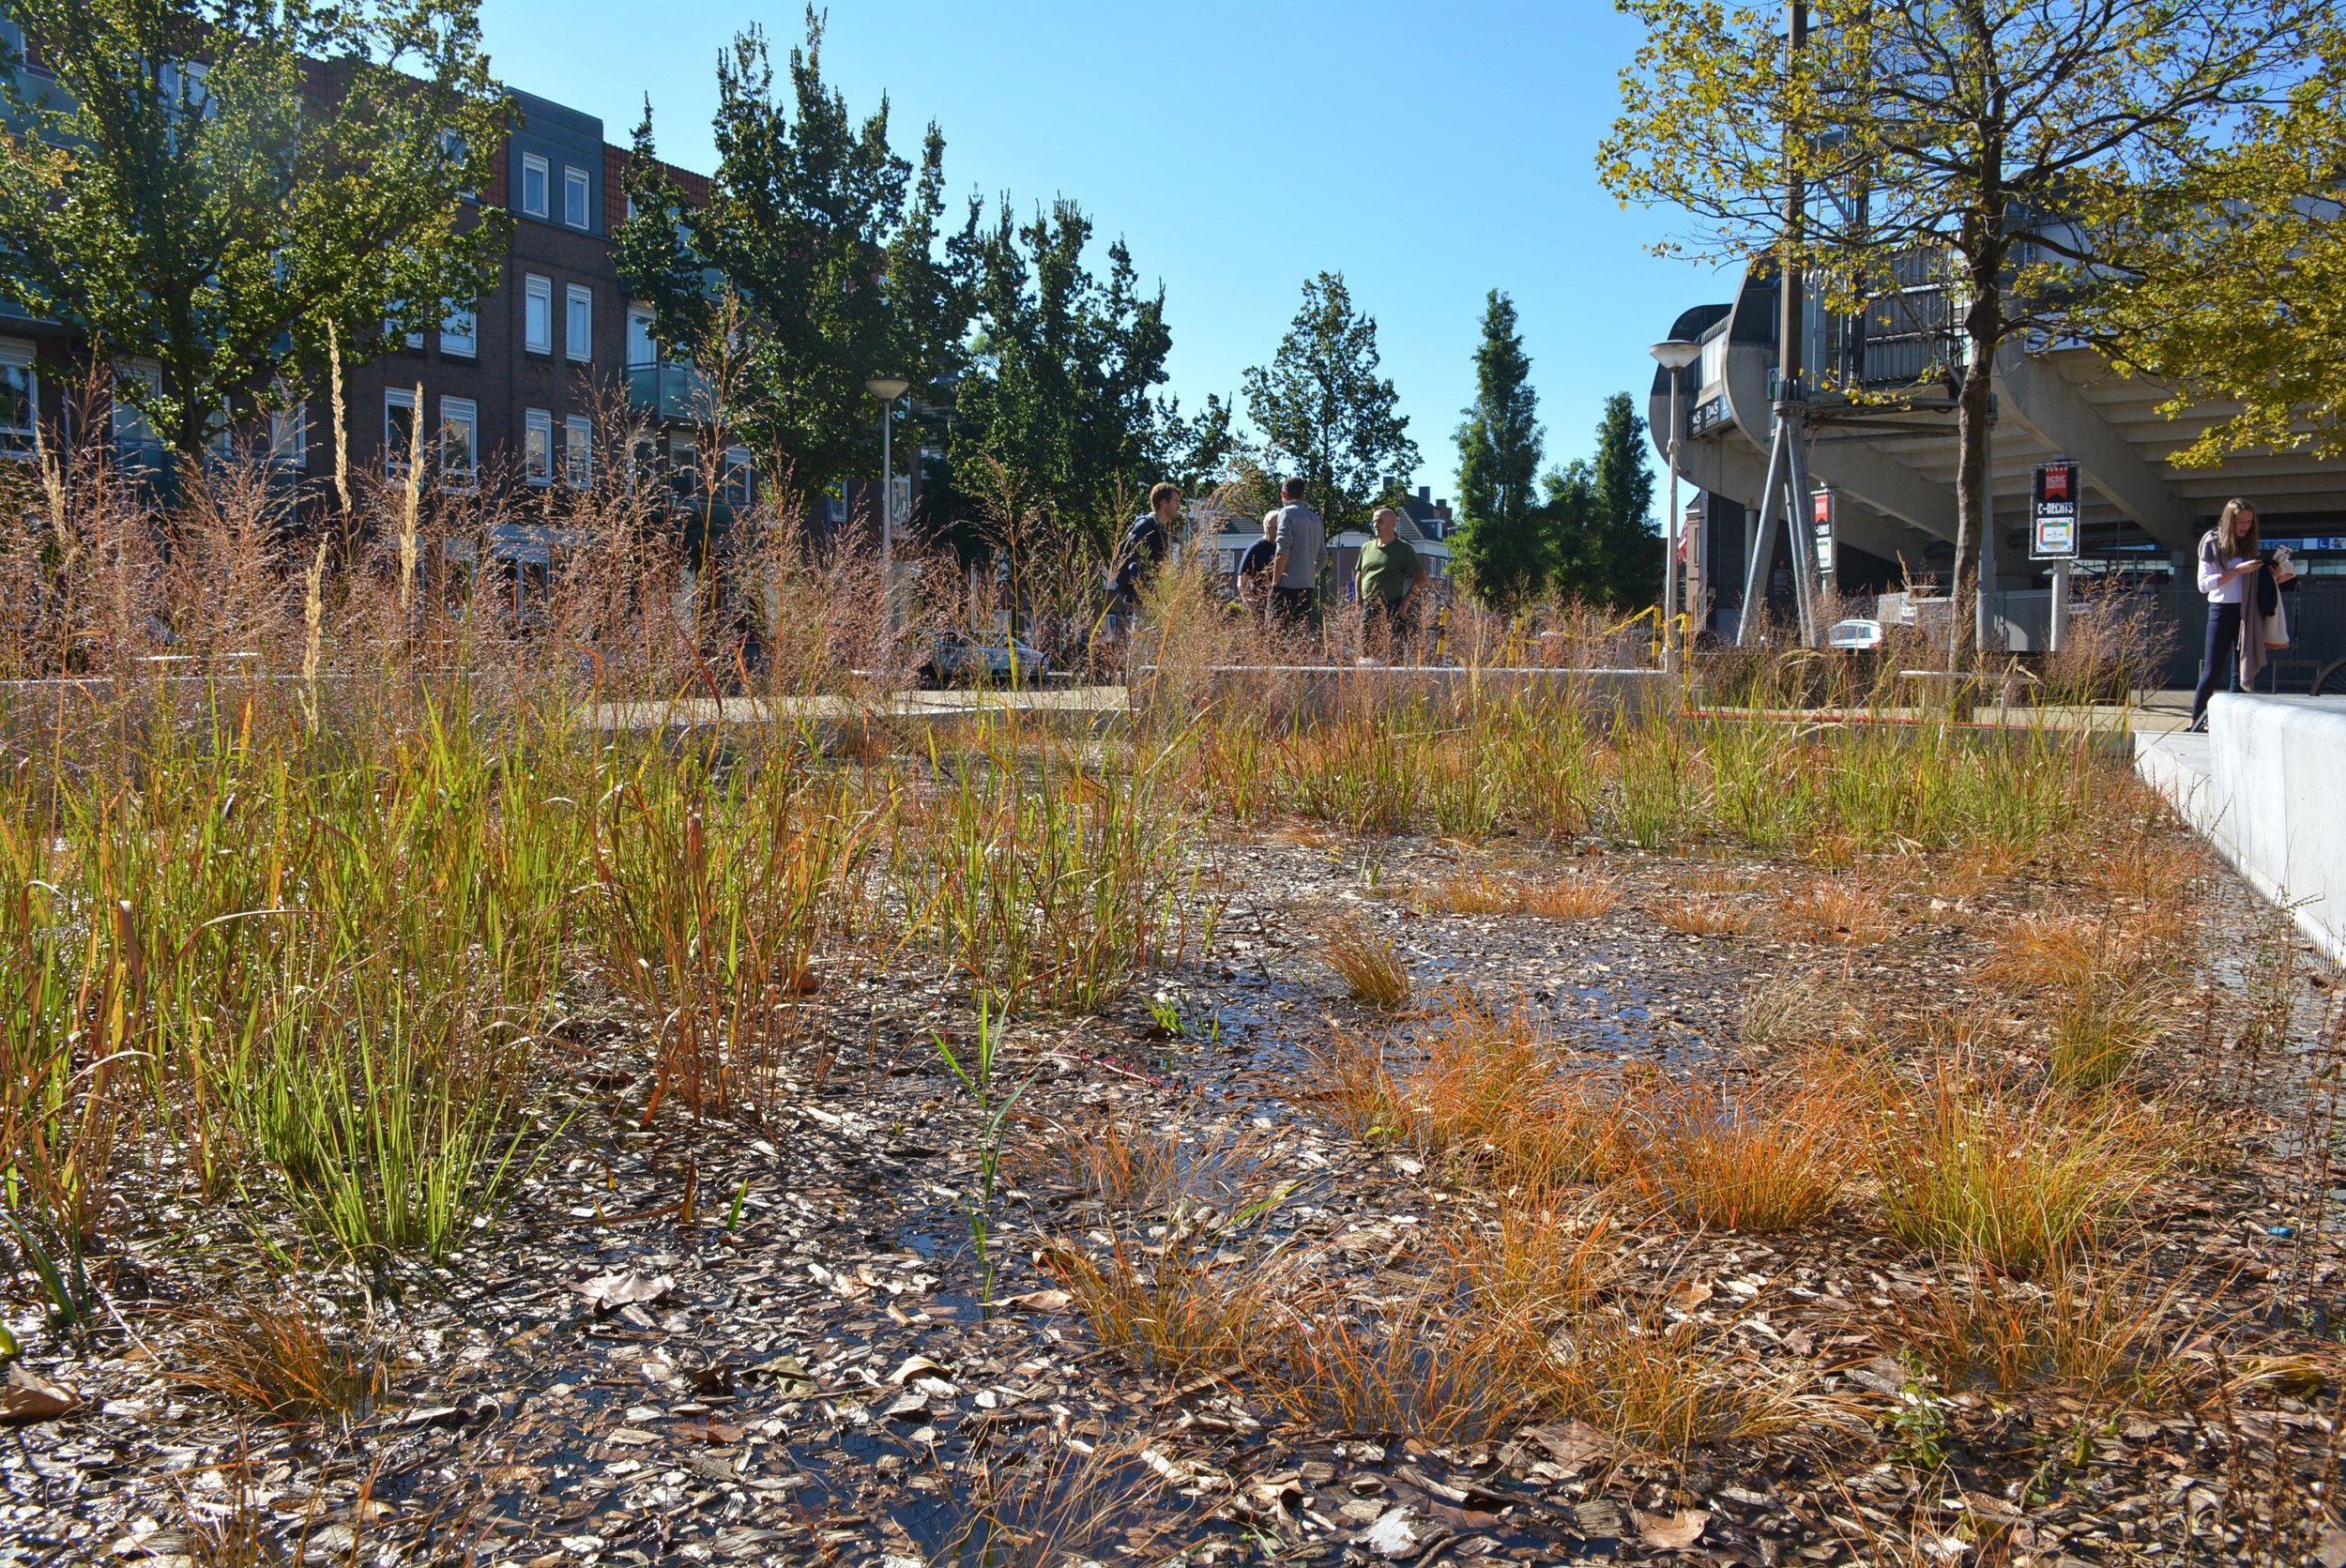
[{"x": 1391, "y": 575}]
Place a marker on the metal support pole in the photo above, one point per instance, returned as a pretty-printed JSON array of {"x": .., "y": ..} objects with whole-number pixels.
[
  {"x": 887, "y": 494},
  {"x": 2060, "y": 606},
  {"x": 1762, "y": 547},
  {"x": 1669, "y": 546}
]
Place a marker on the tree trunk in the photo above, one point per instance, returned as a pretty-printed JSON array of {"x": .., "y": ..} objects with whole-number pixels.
[{"x": 1983, "y": 331}]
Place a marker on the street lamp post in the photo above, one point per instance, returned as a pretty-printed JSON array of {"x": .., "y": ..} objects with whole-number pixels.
[
  {"x": 888, "y": 389},
  {"x": 1674, "y": 355}
]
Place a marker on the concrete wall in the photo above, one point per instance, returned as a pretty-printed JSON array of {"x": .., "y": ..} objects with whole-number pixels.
[{"x": 2274, "y": 795}]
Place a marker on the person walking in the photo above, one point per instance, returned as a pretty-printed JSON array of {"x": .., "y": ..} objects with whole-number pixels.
[
  {"x": 1146, "y": 543},
  {"x": 1390, "y": 576},
  {"x": 1297, "y": 537},
  {"x": 2232, "y": 574},
  {"x": 1252, "y": 580}
]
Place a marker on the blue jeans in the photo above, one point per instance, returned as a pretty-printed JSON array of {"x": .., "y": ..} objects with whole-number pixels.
[{"x": 2222, "y": 656}]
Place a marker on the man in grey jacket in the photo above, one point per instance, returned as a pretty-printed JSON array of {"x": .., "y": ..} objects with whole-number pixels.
[{"x": 1295, "y": 568}]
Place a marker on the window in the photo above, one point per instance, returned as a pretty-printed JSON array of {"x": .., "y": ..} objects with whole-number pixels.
[
  {"x": 289, "y": 436},
  {"x": 684, "y": 464},
  {"x": 533, "y": 185},
  {"x": 133, "y": 429},
  {"x": 20, "y": 398},
  {"x": 460, "y": 333},
  {"x": 643, "y": 458},
  {"x": 574, "y": 197},
  {"x": 641, "y": 350},
  {"x": 578, "y": 451},
  {"x": 399, "y": 430},
  {"x": 392, "y": 329},
  {"x": 740, "y": 477},
  {"x": 578, "y": 331},
  {"x": 537, "y": 445},
  {"x": 538, "y": 315},
  {"x": 460, "y": 442}
]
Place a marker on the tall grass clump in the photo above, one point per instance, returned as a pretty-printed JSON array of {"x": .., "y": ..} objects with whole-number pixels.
[
  {"x": 1046, "y": 880},
  {"x": 1767, "y": 1159},
  {"x": 2014, "y": 1181},
  {"x": 1372, "y": 970}
]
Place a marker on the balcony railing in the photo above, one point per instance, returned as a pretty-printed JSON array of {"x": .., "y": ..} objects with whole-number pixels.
[{"x": 668, "y": 391}]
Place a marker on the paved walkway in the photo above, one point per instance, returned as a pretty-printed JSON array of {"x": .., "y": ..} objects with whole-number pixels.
[{"x": 1078, "y": 706}]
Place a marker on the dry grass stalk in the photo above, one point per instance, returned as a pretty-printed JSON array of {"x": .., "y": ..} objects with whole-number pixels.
[
  {"x": 1772, "y": 1160},
  {"x": 312, "y": 635},
  {"x": 341, "y": 420},
  {"x": 1137, "y": 1168},
  {"x": 1027, "y": 1510},
  {"x": 2098, "y": 1030},
  {"x": 1372, "y": 970},
  {"x": 411, "y": 510},
  {"x": 1540, "y": 1259},
  {"x": 1431, "y": 1361}
]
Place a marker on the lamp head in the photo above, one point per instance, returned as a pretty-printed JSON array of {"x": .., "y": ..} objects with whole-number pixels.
[
  {"x": 1676, "y": 354},
  {"x": 888, "y": 389}
]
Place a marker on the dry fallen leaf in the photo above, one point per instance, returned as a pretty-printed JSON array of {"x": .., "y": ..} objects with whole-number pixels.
[
  {"x": 613, "y": 1290},
  {"x": 919, "y": 1366},
  {"x": 33, "y": 1399},
  {"x": 1670, "y": 1533},
  {"x": 1689, "y": 1294}
]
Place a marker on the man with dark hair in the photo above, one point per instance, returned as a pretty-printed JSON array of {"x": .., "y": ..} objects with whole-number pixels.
[
  {"x": 1298, "y": 536},
  {"x": 1146, "y": 543}
]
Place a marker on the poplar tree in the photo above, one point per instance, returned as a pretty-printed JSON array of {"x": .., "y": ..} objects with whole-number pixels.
[
  {"x": 2030, "y": 152},
  {"x": 1324, "y": 412},
  {"x": 1499, "y": 460},
  {"x": 213, "y": 184}
]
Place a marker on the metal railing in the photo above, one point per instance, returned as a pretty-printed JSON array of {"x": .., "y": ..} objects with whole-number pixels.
[{"x": 667, "y": 392}]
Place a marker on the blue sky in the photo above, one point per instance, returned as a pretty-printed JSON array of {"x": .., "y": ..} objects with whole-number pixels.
[{"x": 1429, "y": 152}]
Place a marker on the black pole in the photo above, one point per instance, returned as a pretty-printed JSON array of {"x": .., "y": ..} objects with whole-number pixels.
[{"x": 1789, "y": 336}]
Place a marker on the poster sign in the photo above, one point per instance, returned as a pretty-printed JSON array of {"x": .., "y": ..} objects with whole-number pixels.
[
  {"x": 1821, "y": 529},
  {"x": 2052, "y": 534}
]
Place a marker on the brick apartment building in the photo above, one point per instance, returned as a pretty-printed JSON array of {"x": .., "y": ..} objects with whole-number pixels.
[{"x": 522, "y": 386}]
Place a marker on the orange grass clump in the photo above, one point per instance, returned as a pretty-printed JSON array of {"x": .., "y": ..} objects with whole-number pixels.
[
  {"x": 1573, "y": 896},
  {"x": 1831, "y": 910},
  {"x": 1772, "y": 1160},
  {"x": 1372, "y": 970},
  {"x": 281, "y": 1357},
  {"x": 1173, "y": 1308}
]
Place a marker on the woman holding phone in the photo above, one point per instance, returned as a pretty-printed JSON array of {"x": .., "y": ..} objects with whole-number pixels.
[{"x": 2228, "y": 562}]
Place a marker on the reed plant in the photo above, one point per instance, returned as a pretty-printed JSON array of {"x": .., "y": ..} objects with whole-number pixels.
[{"x": 1368, "y": 964}]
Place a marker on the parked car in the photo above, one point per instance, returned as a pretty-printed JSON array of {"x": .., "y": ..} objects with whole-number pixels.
[{"x": 996, "y": 660}]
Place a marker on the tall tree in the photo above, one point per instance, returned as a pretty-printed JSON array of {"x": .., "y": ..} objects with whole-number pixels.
[
  {"x": 1499, "y": 458},
  {"x": 1621, "y": 487},
  {"x": 1324, "y": 412},
  {"x": 2028, "y": 146},
  {"x": 1063, "y": 368},
  {"x": 1595, "y": 519},
  {"x": 211, "y": 185},
  {"x": 2247, "y": 315},
  {"x": 832, "y": 244}
]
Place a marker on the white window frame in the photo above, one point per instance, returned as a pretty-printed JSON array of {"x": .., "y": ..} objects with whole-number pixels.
[
  {"x": 16, "y": 355},
  {"x": 575, "y": 187},
  {"x": 537, "y": 447},
  {"x": 532, "y": 163},
  {"x": 643, "y": 457},
  {"x": 641, "y": 316},
  {"x": 537, "y": 314},
  {"x": 289, "y": 436},
  {"x": 130, "y": 422},
  {"x": 684, "y": 462},
  {"x": 460, "y": 333},
  {"x": 395, "y": 450},
  {"x": 740, "y": 478},
  {"x": 578, "y": 451},
  {"x": 466, "y": 412},
  {"x": 579, "y": 308}
]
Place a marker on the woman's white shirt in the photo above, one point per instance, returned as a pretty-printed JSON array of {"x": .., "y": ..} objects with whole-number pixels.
[{"x": 2218, "y": 591}]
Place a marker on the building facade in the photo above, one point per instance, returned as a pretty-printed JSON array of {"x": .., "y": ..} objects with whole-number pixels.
[{"x": 550, "y": 373}]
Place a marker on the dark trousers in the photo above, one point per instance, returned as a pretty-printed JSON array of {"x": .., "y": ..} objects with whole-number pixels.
[
  {"x": 1291, "y": 606},
  {"x": 2222, "y": 656},
  {"x": 1384, "y": 627}
]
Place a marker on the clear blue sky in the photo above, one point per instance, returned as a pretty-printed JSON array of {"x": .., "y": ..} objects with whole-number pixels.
[{"x": 1429, "y": 152}]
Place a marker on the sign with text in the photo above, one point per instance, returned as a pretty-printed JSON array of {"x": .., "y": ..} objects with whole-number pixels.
[
  {"x": 1821, "y": 529},
  {"x": 2052, "y": 534}
]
